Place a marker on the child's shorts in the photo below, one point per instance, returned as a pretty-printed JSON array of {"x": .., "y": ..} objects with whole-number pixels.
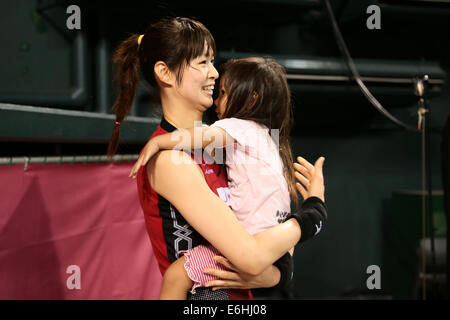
[{"x": 198, "y": 259}]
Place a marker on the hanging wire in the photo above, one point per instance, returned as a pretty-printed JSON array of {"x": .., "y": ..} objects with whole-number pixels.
[
  {"x": 423, "y": 127},
  {"x": 350, "y": 64}
]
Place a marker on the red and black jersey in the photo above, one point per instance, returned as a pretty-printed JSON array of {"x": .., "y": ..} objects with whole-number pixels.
[{"x": 169, "y": 232}]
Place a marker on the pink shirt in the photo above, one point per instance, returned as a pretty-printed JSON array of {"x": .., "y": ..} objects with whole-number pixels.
[{"x": 259, "y": 194}]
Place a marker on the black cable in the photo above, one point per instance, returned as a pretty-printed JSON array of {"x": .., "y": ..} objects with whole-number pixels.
[
  {"x": 424, "y": 128},
  {"x": 350, "y": 64}
]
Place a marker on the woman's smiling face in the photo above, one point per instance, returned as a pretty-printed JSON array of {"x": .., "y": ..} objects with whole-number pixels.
[{"x": 197, "y": 84}]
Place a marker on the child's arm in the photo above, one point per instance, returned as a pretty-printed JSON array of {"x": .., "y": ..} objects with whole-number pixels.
[
  {"x": 208, "y": 138},
  {"x": 193, "y": 138}
]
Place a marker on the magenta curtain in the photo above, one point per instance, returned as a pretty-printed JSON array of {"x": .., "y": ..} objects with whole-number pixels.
[{"x": 73, "y": 231}]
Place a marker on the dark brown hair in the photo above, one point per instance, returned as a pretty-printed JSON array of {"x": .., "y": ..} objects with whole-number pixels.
[
  {"x": 257, "y": 90},
  {"x": 175, "y": 41}
]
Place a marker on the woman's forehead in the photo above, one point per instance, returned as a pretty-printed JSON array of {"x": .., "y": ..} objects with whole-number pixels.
[
  {"x": 208, "y": 51},
  {"x": 207, "y": 54}
]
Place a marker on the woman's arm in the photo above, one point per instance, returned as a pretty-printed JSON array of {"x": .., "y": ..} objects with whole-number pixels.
[
  {"x": 310, "y": 184},
  {"x": 182, "y": 183}
]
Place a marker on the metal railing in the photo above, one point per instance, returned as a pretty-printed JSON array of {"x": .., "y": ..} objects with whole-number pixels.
[{"x": 67, "y": 159}]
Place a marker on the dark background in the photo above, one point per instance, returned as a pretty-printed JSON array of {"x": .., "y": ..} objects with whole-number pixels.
[{"x": 372, "y": 169}]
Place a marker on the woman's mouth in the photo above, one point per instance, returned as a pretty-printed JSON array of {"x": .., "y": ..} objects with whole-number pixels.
[{"x": 208, "y": 89}]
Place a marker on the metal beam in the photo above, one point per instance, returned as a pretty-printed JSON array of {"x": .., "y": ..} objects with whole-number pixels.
[
  {"x": 76, "y": 96},
  {"x": 27, "y": 123}
]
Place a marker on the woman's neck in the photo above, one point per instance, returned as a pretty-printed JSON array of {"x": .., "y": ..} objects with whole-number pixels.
[{"x": 181, "y": 117}]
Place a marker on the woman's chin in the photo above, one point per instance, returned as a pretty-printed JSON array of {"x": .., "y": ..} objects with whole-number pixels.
[{"x": 206, "y": 104}]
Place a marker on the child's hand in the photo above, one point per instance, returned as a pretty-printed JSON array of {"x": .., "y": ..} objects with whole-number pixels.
[
  {"x": 310, "y": 178},
  {"x": 150, "y": 149}
]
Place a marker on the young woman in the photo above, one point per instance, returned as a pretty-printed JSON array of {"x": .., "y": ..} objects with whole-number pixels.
[
  {"x": 183, "y": 202},
  {"x": 254, "y": 105}
]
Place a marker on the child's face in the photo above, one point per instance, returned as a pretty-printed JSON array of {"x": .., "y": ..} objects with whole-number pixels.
[{"x": 221, "y": 100}]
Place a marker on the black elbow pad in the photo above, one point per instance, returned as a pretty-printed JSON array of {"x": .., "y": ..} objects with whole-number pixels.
[{"x": 311, "y": 217}]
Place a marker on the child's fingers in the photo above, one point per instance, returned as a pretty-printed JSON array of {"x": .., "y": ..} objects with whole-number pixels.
[
  {"x": 135, "y": 168},
  {"x": 146, "y": 159},
  {"x": 132, "y": 172}
]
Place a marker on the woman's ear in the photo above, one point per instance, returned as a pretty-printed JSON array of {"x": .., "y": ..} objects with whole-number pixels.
[{"x": 163, "y": 73}]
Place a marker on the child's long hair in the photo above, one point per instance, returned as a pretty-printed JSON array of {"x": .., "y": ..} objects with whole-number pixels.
[
  {"x": 175, "y": 41},
  {"x": 257, "y": 90}
]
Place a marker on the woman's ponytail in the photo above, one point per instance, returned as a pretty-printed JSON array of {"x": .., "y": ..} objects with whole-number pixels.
[{"x": 126, "y": 62}]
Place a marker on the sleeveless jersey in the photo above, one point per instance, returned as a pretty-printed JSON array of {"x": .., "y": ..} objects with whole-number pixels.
[{"x": 169, "y": 232}]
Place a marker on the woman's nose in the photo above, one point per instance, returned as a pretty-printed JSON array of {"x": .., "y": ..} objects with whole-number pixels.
[{"x": 213, "y": 72}]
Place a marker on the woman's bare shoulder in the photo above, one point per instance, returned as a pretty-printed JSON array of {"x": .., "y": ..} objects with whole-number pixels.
[{"x": 168, "y": 165}]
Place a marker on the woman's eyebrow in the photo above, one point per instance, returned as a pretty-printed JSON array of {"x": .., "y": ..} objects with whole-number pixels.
[{"x": 204, "y": 57}]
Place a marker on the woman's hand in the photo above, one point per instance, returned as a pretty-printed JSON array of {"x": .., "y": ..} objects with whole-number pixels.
[
  {"x": 150, "y": 149},
  {"x": 310, "y": 178},
  {"x": 234, "y": 279}
]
